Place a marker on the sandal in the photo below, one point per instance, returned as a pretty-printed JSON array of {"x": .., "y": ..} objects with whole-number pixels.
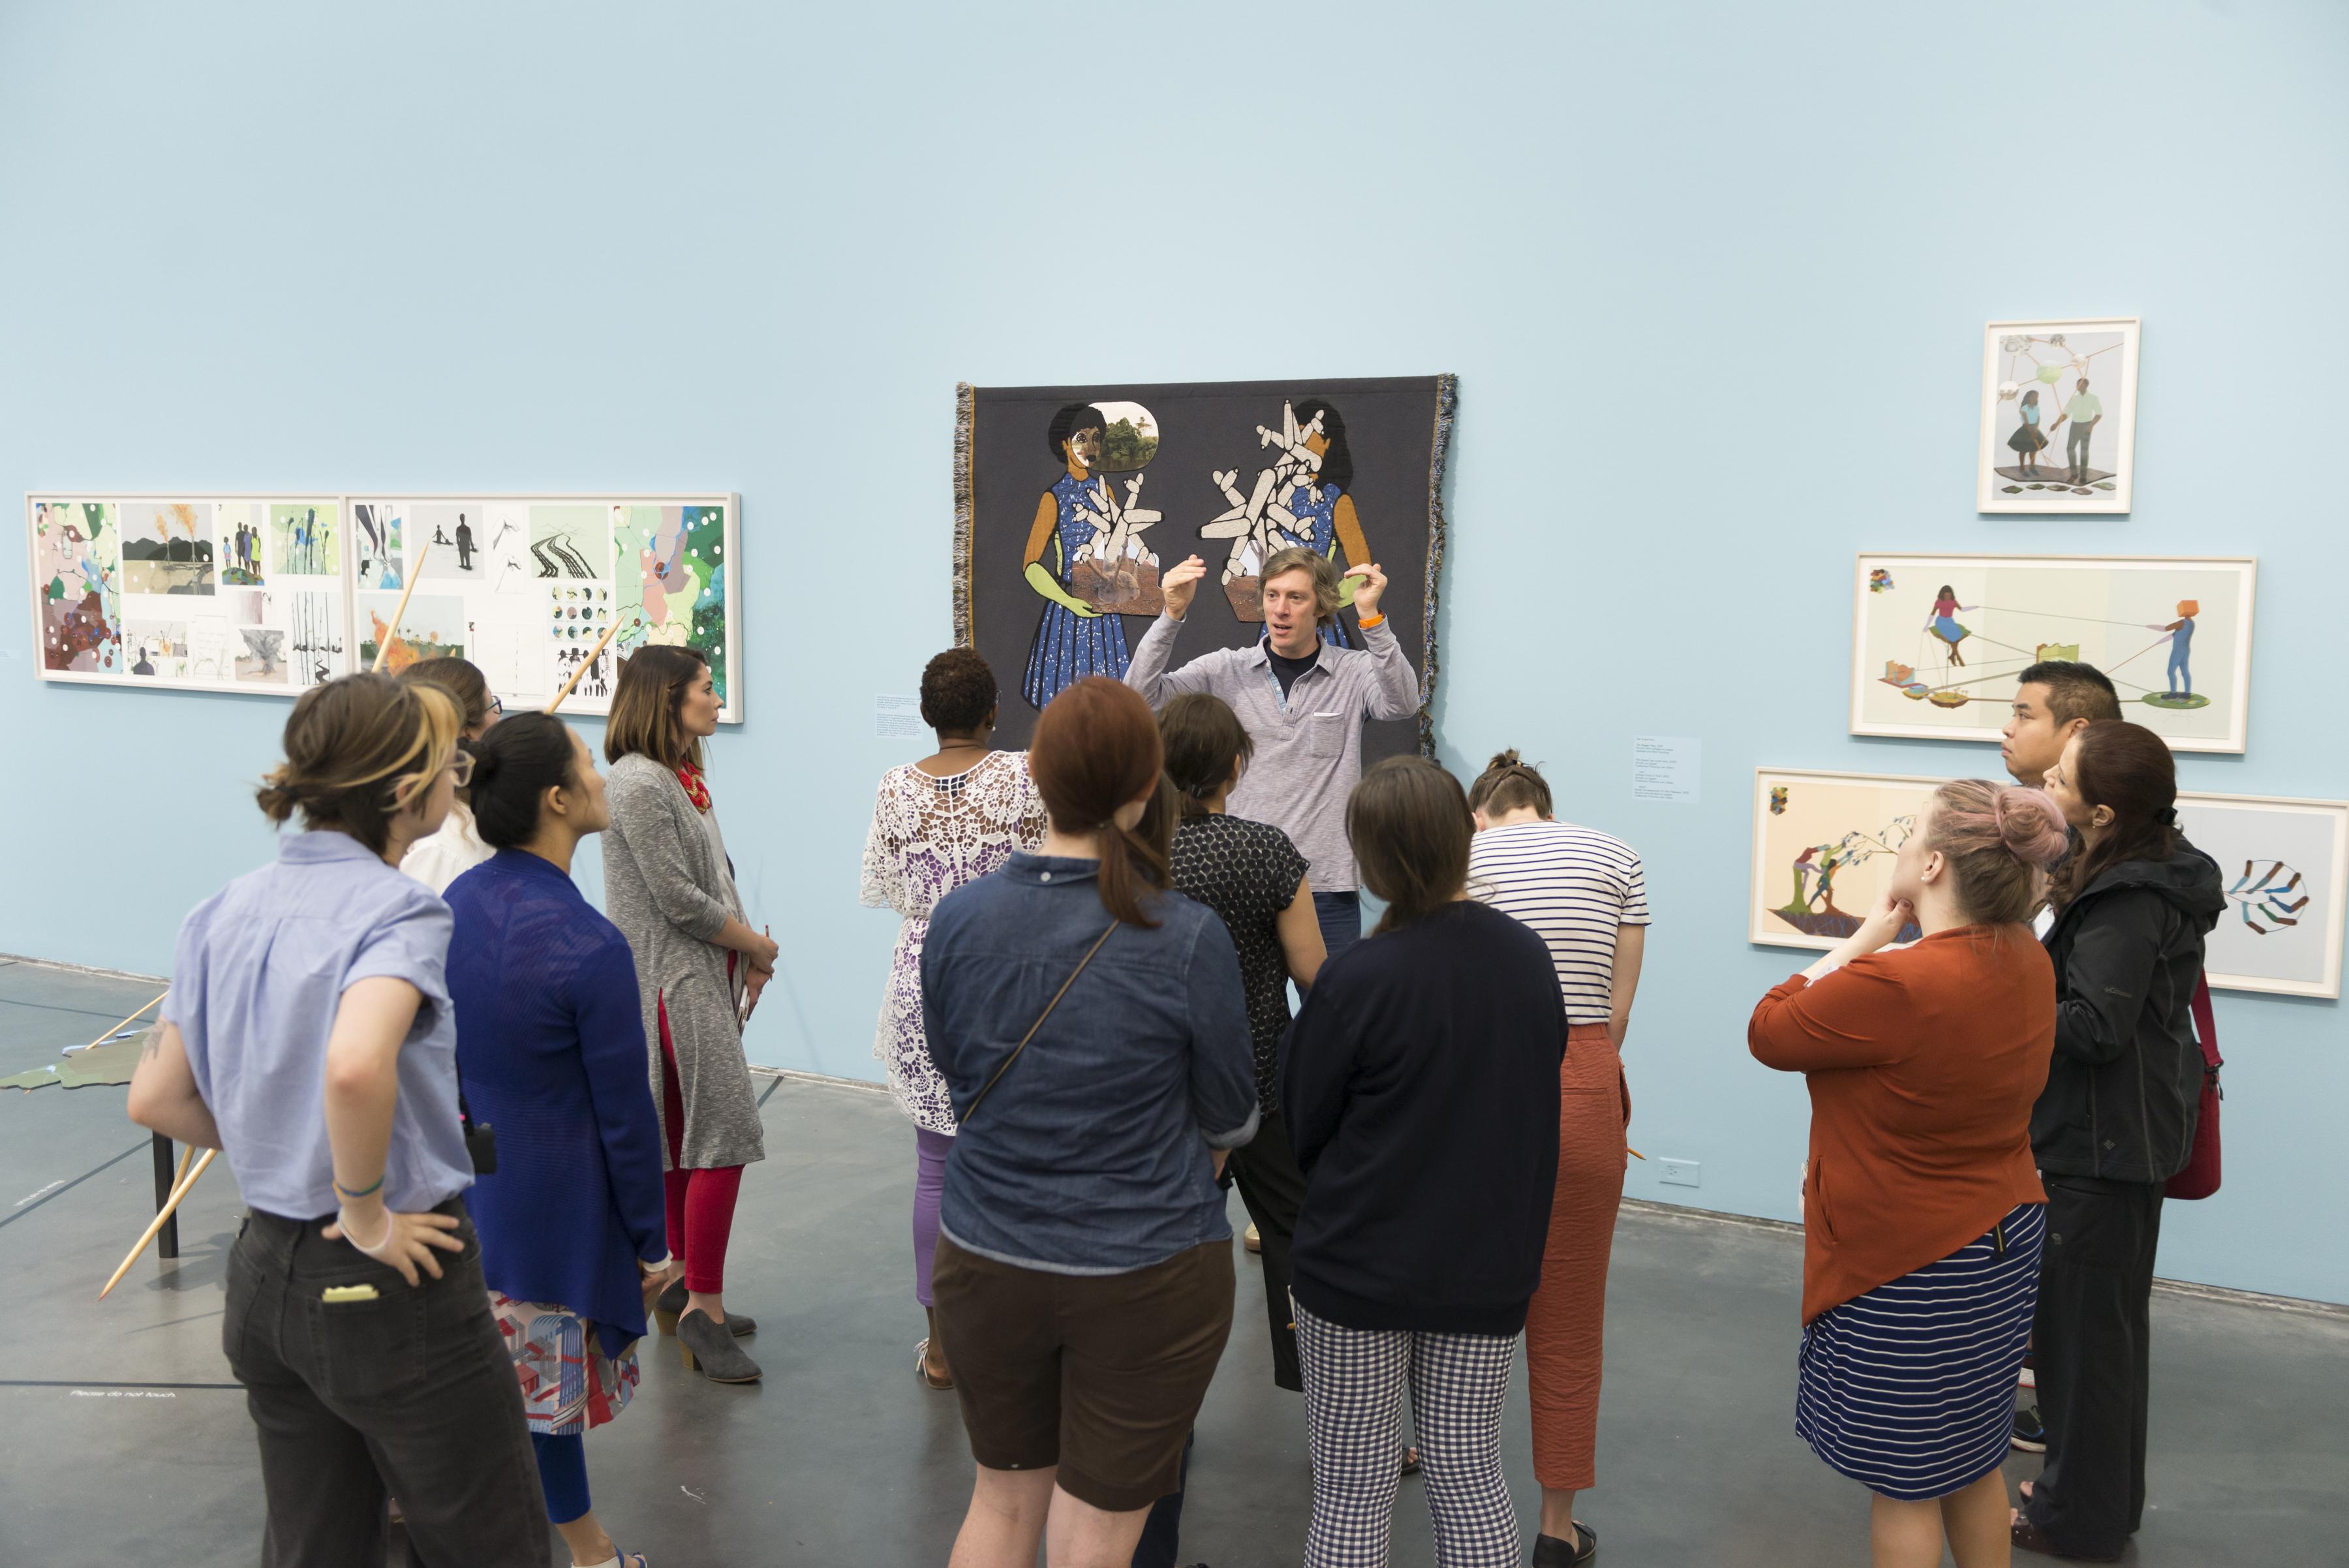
[
  {"x": 618, "y": 1560},
  {"x": 922, "y": 1370}
]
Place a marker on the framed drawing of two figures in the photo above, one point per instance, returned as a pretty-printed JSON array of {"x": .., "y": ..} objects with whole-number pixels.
[{"x": 2058, "y": 417}]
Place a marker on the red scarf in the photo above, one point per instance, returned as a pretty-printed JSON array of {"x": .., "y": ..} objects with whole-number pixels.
[{"x": 697, "y": 788}]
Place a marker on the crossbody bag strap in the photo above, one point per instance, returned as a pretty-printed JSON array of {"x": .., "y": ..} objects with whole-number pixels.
[{"x": 996, "y": 1076}]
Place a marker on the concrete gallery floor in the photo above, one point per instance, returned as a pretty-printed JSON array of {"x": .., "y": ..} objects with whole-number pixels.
[{"x": 122, "y": 1440}]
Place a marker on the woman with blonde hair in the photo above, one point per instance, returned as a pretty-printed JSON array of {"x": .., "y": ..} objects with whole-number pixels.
[
  {"x": 1584, "y": 895},
  {"x": 308, "y": 1035},
  {"x": 669, "y": 887},
  {"x": 1922, "y": 1214}
]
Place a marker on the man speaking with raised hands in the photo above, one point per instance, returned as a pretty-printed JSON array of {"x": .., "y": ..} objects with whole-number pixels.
[{"x": 1303, "y": 703}]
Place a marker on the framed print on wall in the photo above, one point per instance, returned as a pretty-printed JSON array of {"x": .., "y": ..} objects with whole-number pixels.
[
  {"x": 1938, "y": 642},
  {"x": 1823, "y": 849},
  {"x": 2285, "y": 866},
  {"x": 1824, "y": 845},
  {"x": 197, "y": 591},
  {"x": 2059, "y": 416}
]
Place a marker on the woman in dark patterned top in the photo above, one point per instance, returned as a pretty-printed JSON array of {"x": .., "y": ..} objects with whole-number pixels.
[{"x": 1252, "y": 877}]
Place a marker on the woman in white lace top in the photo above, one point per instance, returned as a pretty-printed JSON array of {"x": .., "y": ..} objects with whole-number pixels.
[{"x": 948, "y": 819}]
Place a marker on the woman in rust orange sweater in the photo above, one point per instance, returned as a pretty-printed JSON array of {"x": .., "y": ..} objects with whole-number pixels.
[{"x": 1922, "y": 1212}]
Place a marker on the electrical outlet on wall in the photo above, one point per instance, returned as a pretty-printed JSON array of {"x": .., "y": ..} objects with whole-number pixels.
[{"x": 1680, "y": 1173}]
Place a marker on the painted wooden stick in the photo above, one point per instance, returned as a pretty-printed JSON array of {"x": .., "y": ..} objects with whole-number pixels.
[
  {"x": 126, "y": 1023},
  {"x": 586, "y": 664},
  {"x": 391, "y": 632},
  {"x": 171, "y": 1207}
]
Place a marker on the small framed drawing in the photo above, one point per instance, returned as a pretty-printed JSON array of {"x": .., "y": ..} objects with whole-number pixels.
[
  {"x": 1939, "y": 642},
  {"x": 1823, "y": 849},
  {"x": 2059, "y": 416},
  {"x": 2285, "y": 866}
]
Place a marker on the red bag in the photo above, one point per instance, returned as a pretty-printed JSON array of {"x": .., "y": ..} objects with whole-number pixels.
[{"x": 2200, "y": 1176}]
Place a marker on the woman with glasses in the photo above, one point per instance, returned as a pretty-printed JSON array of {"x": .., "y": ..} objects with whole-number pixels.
[
  {"x": 456, "y": 849},
  {"x": 309, "y": 1035}
]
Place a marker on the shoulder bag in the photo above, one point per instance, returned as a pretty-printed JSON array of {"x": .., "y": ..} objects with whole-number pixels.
[{"x": 996, "y": 1076}]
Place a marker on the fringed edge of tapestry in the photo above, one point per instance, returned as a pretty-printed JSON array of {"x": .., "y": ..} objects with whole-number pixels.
[
  {"x": 965, "y": 510},
  {"x": 1447, "y": 396}
]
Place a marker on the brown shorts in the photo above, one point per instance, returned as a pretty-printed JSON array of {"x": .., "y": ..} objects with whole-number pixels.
[{"x": 1098, "y": 1374}]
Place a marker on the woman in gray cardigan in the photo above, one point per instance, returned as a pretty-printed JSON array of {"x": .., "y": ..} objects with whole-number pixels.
[{"x": 669, "y": 887}]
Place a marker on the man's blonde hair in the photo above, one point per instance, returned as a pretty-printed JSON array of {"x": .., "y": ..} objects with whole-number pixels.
[{"x": 1297, "y": 558}]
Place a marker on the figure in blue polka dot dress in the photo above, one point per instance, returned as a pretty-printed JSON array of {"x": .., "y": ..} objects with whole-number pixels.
[
  {"x": 1072, "y": 638},
  {"x": 1325, "y": 512}
]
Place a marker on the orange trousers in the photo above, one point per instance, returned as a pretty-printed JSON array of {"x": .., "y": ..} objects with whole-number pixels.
[{"x": 1565, "y": 1323}]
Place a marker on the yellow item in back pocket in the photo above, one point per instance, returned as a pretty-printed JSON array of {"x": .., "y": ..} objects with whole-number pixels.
[{"x": 333, "y": 1293}]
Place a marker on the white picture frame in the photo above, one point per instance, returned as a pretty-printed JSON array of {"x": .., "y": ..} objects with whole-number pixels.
[
  {"x": 2281, "y": 932},
  {"x": 190, "y": 621},
  {"x": 497, "y": 581},
  {"x": 2031, "y": 371},
  {"x": 198, "y": 623},
  {"x": 1919, "y": 673},
  {"x": 2285, "y": 862}
]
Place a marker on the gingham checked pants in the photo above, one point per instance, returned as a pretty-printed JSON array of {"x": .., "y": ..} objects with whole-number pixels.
[{"x": 1354, "y": 1381}]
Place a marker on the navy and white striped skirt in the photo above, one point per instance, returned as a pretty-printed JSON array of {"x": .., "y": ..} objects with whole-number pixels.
[{"x": 1910, "y": 1389}]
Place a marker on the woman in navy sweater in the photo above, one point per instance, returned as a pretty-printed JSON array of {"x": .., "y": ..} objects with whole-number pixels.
[
  {"x": 551, "y": 1054},
  {"x": 1421, "y": 1085}
]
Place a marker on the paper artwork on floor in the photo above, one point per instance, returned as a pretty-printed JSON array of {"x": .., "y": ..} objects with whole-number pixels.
[
  {"x": 524, "y": 586},
  {"x": 1823, "y": 850},
  {"x": 2285, "y": 866},
  {"x": 1071, "y": 502},
  {"x": 2059, "y": 416},
  {"x": 1939, "y": 641},
  {"x": 200, "y": 592}
]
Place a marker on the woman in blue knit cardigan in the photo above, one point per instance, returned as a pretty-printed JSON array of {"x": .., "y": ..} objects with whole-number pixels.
[{"x": 551, "y": 1054}]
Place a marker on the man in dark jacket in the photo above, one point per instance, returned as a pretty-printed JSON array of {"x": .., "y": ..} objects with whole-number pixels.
[{"x": 2115, "y": 1123}]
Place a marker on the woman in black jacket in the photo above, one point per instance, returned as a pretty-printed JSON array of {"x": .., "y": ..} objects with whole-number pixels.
[
  {"x": 1419, "y": 1088},
  {"x": 2115, "y": 1123}
]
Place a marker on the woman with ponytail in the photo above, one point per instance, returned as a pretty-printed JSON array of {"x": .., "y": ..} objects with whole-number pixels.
[
  {"x": 1586, "y": 895},
  {"x": 1420, "y": 1089},
  {"x": 551, "y": 1048},
  {"x": 308, "y": 1035},
  {"x": 1254, "y": 880},
  {"x": 2117, "y": 1121},
  {"x": 1922, "y": 1214},
  {"x": 1090, "y": 1026}
]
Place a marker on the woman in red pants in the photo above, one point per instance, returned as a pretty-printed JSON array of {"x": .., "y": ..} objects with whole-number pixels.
[
  {"x": 1586, "y": 895},
  {"x": 669, "y": 887}
]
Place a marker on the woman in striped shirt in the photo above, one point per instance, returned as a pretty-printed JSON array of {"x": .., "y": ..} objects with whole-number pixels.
[{"x": 1584, "y": 895}]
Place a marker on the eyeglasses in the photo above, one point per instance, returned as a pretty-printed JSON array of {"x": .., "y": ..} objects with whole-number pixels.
[
  {"x": 497, "y": 708},
  {"x": 461, "y": 768}
]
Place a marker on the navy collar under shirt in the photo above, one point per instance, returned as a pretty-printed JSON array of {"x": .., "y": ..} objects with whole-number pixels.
[{"x": 1286, "y": 669}]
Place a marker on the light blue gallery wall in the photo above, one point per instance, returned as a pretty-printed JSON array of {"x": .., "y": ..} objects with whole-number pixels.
[{"x": 1712, "y": 277}]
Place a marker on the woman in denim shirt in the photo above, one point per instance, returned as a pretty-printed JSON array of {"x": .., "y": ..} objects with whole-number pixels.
[{"x": 1083, "y": 1276}]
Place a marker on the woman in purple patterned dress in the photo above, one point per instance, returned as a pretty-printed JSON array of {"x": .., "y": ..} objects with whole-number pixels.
[{"x": 948, "y": 819}]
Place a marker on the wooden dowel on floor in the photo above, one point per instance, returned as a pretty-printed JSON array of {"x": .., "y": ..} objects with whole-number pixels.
[
  {"x": 126, "y": 1022},
  {"x": 415, "y": 570},
  {"x": 178, "y": 1194},
  {"x": 586, "y": 664}
]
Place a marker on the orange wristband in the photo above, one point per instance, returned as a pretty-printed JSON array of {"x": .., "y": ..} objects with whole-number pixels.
[{"x": 1366, "y": 622}]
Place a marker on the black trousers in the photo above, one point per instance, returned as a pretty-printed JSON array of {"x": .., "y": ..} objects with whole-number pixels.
[
  {"x": 411, "y": 1390},
  {"x": 2089, "y": 1343},
  {"x": 1265, "y": 1169}
]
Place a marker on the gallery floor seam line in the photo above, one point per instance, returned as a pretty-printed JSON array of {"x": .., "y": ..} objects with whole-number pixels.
[{"x": 68, "y": 1187}]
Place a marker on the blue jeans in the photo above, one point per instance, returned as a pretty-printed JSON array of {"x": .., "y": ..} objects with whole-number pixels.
[
  {"x": 1340, "y": 917},
  {"x": 2180, "y": 675}
]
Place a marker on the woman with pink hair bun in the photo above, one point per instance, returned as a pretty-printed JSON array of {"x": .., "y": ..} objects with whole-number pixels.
[{"x": 1922, "y": 1211}]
